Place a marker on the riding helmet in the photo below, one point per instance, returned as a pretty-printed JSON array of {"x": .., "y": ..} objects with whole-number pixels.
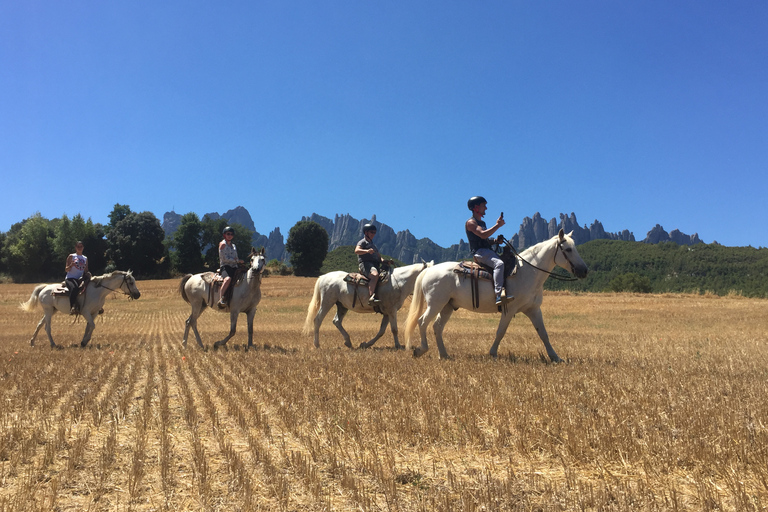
[
  {"x": 368, "y": 227},
  {"x": 228, "y": 229},
  {"x": 474, "y": 201}
]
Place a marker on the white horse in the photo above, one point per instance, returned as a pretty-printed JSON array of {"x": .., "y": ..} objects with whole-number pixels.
[
  {"x": 331, "y": 289},
  {"x": 90, "y": 302},
  {"x": 245, "y": 297},
  {"x": 440, "y": 291}
]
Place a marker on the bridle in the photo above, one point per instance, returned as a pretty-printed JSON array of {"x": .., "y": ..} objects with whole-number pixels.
[
  {"x": 554, "y": 259},
  {"x": 119, "y": 288}
]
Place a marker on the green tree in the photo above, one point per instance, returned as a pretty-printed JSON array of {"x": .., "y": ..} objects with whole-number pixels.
[
  {"x": 28, "y": 251},
  {"x": 136, "y": 243},
  {"x": 630, "y": 282},
  {"x": 308, "y": 244},
  {"x": 188, "y": 242},
  {"x": 119, "y": 212}
]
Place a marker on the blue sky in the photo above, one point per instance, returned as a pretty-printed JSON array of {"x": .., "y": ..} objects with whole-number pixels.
[{"x": 632, "y": 113}]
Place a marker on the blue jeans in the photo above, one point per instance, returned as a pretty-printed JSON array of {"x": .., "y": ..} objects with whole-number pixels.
[{"x": 490, "y": 258}]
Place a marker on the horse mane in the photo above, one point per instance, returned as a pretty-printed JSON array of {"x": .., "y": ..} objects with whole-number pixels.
[
  {"x": 534, "y": 250},
  {"x": 96, "y": 280}
]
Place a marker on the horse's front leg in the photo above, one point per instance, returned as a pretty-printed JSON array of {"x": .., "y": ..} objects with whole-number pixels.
[
  {"x": 538, "y": 322},
  {"x": 337, "y": 319},
  {"x": 500, "y": 331},
  {"x": 232, "y": 329},
  {"x": 382, "y": 329},
  {"x": 250, "y": 315},
  {"x": 89, "y": 327}
]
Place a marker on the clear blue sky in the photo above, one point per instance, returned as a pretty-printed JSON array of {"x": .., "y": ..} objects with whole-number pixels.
[{"x": 632, "y": 113}]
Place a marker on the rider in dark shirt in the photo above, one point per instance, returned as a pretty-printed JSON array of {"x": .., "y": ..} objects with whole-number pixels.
[
  {"x": 369, "y": 260},
  {"x": 480, "y": 243}
]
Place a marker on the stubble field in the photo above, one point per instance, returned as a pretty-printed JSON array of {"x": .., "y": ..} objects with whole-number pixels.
[{"x": 660, "y": 406}]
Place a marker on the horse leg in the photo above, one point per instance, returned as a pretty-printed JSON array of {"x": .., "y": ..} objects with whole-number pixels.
[
  {"x": 538, "y": 322},
  {"x": 232, "y": 329},
  {"x": 337, "y": 319},
  {"x": 438, "y": 327},
  {"x": 89, "y": 327},
  {"x": 249, "y": 316},
  {"x": 319, "y": 317},
  {"x": 393, "y": 328},
  {"x": 382, "y": 329},
  {"x": 424, "y": 321},
  {"x": 34, "y": 335},
  {"x": 500, "y": 331},
  {"x": 192, "y": 322}
]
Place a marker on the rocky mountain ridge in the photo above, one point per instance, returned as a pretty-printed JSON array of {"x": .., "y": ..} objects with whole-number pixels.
[{"x": 403, "y": 245}]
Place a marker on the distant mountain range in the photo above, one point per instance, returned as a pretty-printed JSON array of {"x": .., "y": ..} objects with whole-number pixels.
[{"x": 346, "y": 230}]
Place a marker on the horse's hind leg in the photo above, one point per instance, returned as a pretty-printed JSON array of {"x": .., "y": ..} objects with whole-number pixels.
[
  {"x": 424, "y": 321},
  {"x": 34, "y": 335},
  {"x": 192, "y": 322},
  {"x": 442, "y": 319},
  {"x": 337, "y": 319},
  {"x": 382, "y": 329}
]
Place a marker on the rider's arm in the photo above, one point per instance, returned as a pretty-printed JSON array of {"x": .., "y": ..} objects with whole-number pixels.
[
  {"x": 68, "y": 264},
  {"x": 360, "y": 251},
  {"x": 473, "y": 227}
]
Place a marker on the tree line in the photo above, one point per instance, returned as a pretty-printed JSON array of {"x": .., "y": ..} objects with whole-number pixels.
[
  {"x": 36, "y": 248},
  {"x": 667, "y": 267}
]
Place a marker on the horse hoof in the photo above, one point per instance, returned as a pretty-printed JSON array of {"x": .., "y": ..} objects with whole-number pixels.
[
  {"x": 417, "y": 352},
  {"x": 364, "y": 346},
  {"x": 348, "y": 344}
]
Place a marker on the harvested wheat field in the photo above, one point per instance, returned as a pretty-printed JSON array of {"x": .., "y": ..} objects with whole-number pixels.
[{"x": 661, "y": 405}]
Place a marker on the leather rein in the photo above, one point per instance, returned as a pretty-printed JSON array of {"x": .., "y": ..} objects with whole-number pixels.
[{"x": 554, "y": 258}]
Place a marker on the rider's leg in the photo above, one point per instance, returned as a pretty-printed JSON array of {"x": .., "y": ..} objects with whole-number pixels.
[
  {"x": 224, "y": 287},
  {"x": 74, "y": 291},
  {"x": 490, "y": 258},
  {"x": 373, "y": 279}
]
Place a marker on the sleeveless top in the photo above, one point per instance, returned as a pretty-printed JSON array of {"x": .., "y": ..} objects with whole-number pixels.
[
  {"x": 78, "y": 268},
  {"x": 475, "y": 242},
  {"x": 228, "y": 255}
]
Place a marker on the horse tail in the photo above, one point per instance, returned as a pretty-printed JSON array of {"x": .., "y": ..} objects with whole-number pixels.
[
  {"x": 181, "y": 287},
  {"x": 418, "y": 305},
  {"x": 314, "y": 306},
  {"x": 34, "y": 300}
]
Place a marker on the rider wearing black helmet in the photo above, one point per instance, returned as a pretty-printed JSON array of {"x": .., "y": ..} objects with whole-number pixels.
[
  {"x": 369, "y": 260},
  {"x": 478, "y": 236},
  {"x": 228, "y": 261}
]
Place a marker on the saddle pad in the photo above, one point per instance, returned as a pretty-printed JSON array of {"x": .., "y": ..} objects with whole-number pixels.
[
  {"x": 210, "y": 277},
  {"x": 356, "y": 279},
  {"x": 471, "y": 268},
  {"x": 61, "y": 291}
]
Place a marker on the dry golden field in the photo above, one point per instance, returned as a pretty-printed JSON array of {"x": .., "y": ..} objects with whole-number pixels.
[{"x": 661, "y": 405}]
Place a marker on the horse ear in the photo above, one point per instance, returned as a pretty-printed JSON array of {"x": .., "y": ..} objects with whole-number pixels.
[
  {"x": 561, "y": 234},
  {"x": 262, "y": 251}
]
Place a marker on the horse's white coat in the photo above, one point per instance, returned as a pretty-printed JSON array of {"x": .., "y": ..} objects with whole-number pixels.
[
  {"x": 90, "y": 302},
  {"x": 245, "y": 297},
  {"x": 331, "y": 289},
  {"x": 440, "y": 291}
]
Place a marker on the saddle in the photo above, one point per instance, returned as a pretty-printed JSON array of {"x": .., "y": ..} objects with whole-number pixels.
[
  {"x": 62, "y": 291},
  {"x": 215, "y": 280},
  {"x": 358, "y": 280},
  {"x": 477, "y": 271}
]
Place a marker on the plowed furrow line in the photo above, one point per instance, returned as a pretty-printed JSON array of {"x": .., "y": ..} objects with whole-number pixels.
[
  {"x": 314, "y": 442},
  {"x": 244, "y": 454},
  {"x": 64, "y": 447}
]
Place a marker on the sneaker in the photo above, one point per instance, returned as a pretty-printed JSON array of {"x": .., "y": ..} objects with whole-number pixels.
[
  {"x": 222, "y": 305},
  {"x": 498, "y": 300},
  {"x": 73, "y": 310},
  {"x": 374, "y": 300}
]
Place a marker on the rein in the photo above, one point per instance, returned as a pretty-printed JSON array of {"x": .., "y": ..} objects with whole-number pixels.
[
  {"x": 551, "y": 274},
  {"x": 119, "y": 288}
]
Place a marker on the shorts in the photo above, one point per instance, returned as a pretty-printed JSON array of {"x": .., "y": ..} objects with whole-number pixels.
[
  {"x": 228, "y": 271},
  {"x": 366, "y": 266}
]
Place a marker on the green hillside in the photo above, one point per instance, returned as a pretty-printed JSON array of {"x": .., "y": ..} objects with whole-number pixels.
[
  {"x": 668, "y": 267},
  {"x": 344, "y": 258}
]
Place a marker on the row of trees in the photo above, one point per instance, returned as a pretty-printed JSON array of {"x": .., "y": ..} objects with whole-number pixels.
[{"x": 36, "y": 248}]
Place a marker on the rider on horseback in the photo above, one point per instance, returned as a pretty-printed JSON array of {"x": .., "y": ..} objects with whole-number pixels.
[
  {"x": 76, "y": 267},
  {"x": 228, "y": 261},
  {"x": 369, "y": 260},
  {"x": 480, "y": 242}
]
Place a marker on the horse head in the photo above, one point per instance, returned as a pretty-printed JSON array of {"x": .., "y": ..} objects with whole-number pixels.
[
  {"x": 128, "y": 286},
  {"x": 567, "y": 257},
  {"x": 258, "y": 259}
]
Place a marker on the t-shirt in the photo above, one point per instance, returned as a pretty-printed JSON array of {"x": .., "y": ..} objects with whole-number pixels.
[{"x": 371, "y": 258}]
